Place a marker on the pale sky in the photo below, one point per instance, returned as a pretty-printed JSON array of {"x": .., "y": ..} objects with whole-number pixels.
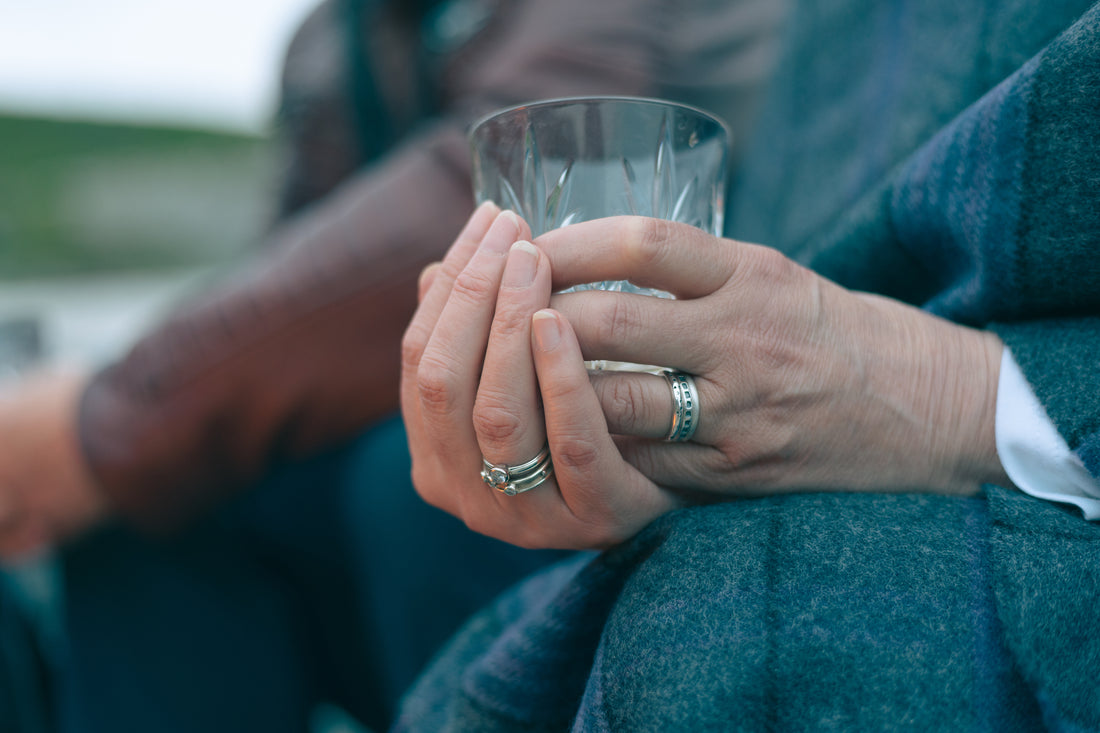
[{"x": 206, "y": 62}]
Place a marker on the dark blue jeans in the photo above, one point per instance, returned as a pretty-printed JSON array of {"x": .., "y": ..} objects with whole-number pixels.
[{"x": 331, "y": 582}]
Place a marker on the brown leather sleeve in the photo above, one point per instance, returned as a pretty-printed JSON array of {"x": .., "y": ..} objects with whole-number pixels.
[{"x": 303, "y": 351}]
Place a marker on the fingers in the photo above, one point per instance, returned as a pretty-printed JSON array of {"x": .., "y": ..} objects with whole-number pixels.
[
  {"x": 641, "y": 405},
  {"x": 634, "y": 403},
  {"x": 436, "y": 279},
  {"x": 638, "y": 328},
  {"x": 507, "y": 414},
  {"x": 482, "y": 357},
  {"x": 434, "y": 287},
  {"x": 440, "y": 376},
  {"x": 678, "y": 258},
  {"x": 449, "y": 368},
  {"x": 608, "y": 495}
]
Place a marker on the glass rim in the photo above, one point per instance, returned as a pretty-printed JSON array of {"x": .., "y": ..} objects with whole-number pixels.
[{"x": 599, "y": 98}]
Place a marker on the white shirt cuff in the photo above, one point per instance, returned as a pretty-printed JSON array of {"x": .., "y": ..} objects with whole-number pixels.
[{"x": 1033, "y": 453}]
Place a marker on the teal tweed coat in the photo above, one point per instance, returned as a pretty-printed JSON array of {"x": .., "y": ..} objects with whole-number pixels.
[{"x": 945, "y": 153}]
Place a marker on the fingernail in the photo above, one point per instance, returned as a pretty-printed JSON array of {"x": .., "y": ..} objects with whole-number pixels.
[
  {"x": 544, "y": 324},
  {"x": 502, "y": 234},
  {"x": 485, "y": 206},
  {"x": 523, "y": 260},
  {"x": 479, "y": 220}
]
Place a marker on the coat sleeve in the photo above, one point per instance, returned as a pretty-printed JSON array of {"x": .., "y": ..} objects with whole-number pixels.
[{"x": 994, "y": 223}]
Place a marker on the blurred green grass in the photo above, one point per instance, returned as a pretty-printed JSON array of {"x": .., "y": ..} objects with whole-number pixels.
[{"x": 78, "y": 197}]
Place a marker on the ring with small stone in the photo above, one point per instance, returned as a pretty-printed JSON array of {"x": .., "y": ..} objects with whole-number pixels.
[{"x": 512, "y": 480}]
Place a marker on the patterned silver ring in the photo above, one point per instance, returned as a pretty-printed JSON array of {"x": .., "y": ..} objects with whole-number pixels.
[
  {"x": 685, "y": 406},
  {"x": 512, "y": 480}
]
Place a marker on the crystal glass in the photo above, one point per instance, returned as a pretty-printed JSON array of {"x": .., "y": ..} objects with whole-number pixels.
[{"x": 562, "y": 161}]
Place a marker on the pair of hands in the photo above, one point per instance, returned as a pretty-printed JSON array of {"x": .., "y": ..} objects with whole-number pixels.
[{"x": 803, "y": 385}]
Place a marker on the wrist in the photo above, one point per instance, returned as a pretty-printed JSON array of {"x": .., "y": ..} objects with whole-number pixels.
[
  {"x": 950, "y": 386},
  {"x": 967, "y": 449}
]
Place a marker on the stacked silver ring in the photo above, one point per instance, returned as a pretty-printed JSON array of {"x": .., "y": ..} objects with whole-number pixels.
[
  {"x": 685, "y": 406},
  {"x": 512, "y": 480}
]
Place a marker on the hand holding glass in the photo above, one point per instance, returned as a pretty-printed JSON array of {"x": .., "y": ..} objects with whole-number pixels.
[{"x": 564, "y": 161}]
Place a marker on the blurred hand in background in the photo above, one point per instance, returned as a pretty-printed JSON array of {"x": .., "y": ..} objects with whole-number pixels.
[{"x": 46, "y": 491}]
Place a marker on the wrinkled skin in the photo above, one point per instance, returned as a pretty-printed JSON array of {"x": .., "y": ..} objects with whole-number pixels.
[{"x": 803, "y": 385}]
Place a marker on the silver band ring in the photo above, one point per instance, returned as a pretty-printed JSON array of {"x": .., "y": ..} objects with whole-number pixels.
[
  {"x": 685, "y": 406},
  {"x": 512, "y": 480}
]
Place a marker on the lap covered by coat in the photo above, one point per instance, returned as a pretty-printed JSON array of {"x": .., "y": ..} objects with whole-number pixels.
[{"x": 811, "y": 612}]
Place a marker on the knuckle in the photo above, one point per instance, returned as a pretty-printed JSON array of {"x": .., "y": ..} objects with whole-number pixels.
[
  {"x": 725, "y": 462},
  {"x": 413, "y": 344},
  {"x": 621, "y": 322},
  {"x": 495, "y": 423},
  {"x": 473, "y": 286},
  {"x": 772, "y": 265},
  {"x": 437, "y": 386},
  {"x": 511, "y": 322},
  {"x": 574, "y": 454},
  {"x": 626, "y": 402},
  {"x": 647, "y": 241}
]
